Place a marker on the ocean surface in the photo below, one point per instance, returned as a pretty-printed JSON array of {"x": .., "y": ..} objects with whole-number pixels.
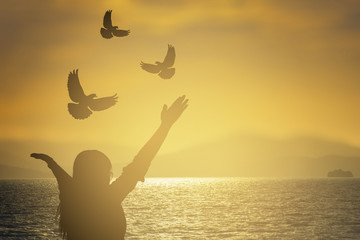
[{"x": 202, "y": 208}]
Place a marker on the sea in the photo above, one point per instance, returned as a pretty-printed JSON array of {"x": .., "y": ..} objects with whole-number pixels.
[{"x": 202, "y": 208}]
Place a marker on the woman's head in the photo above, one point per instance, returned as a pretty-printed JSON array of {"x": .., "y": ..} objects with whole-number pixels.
[{"x": 92, "y": 166}]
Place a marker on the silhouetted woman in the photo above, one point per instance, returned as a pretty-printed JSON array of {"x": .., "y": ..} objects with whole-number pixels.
[{"x": 90, "y": 207}]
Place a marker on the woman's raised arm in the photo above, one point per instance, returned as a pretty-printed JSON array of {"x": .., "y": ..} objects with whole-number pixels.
[
  {"x": 61, "y": 175},
  {"x": 137, "y": 169}
]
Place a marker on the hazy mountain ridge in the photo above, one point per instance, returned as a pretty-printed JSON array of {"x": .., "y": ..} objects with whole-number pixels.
[
  {"x": 243, "y": 156},
  {"x": 261, "y": 157},
  {"x": 17, "y": 154},
  {"x": 9, "y": 172}
]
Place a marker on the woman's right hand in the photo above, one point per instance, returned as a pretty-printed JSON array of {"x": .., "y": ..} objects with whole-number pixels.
[
  {"x": 171, "y": 114},
  {"x": 42, "y": 156}
]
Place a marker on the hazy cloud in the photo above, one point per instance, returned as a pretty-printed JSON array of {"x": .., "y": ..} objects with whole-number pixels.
[{"x": 264, "y": 51}]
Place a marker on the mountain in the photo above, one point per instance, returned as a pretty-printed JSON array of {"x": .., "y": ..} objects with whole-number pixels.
[
  {"x": 8, "y": 172},
  {"x": 15, "y": 157},
  {"x": 243, "y": 156},
  {"x": 253, "y": 156}
]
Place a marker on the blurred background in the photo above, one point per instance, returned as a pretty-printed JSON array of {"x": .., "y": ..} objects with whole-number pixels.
[{"x": 273, "y": 85}]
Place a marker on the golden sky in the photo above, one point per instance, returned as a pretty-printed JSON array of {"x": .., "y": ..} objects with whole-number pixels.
[{"x": 274, "y": 68}]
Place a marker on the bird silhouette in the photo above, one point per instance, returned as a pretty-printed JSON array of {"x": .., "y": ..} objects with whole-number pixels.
[
  {"x": 162, "y": 68},
  {"x": 80, "y": 109},
  {"x": 109, "y": 30}
]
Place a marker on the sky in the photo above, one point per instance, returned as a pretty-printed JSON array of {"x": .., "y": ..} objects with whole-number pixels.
[{"x": 273, "y": 68}]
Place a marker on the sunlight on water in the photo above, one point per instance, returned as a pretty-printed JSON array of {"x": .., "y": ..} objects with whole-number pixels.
[
  {"x": 242, "y": 208},
  {"x": 202, "y": 208}
]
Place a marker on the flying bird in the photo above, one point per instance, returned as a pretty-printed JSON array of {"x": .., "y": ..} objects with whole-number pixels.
[
  {"x": 109, "y": 30},
  {"x": 80, "y": 109},
  {"x": 162, "y": 68}
]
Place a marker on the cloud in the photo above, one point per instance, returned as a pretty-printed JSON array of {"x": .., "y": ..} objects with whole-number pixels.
[
  {"x": 30, "y": 30},
  {"x": 169, "y": 16},
  {"x": 286, "y": 49}
]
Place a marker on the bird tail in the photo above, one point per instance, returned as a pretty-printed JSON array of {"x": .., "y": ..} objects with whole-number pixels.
[
  {"x": 79, "y": 111},
  {"x": 106, "y": 33},
  {"x": 167, "y": 73}
]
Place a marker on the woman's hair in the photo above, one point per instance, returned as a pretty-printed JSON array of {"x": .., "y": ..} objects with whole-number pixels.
[
  {"x": 91, "y": 172},
  {"x": 92, "y": 166}
]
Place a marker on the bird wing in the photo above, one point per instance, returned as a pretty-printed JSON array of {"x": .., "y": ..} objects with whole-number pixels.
[
  {"x": 76, "y": 92},
  {"x": 106, "y": 33},
  {"x": 100, "y": 104},
  {"x": 120, "y": 33},
  {"x": 167, "y": 73},
  {"x": 170, "y": 57},
  {"x": 151, "y": 68},
  {"x": 107, "y": 20},
  {"x": 79, "y": 111}
]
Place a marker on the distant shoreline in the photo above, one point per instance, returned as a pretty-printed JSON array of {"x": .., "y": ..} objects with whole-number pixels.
[{"x": 259, "y": 178}]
